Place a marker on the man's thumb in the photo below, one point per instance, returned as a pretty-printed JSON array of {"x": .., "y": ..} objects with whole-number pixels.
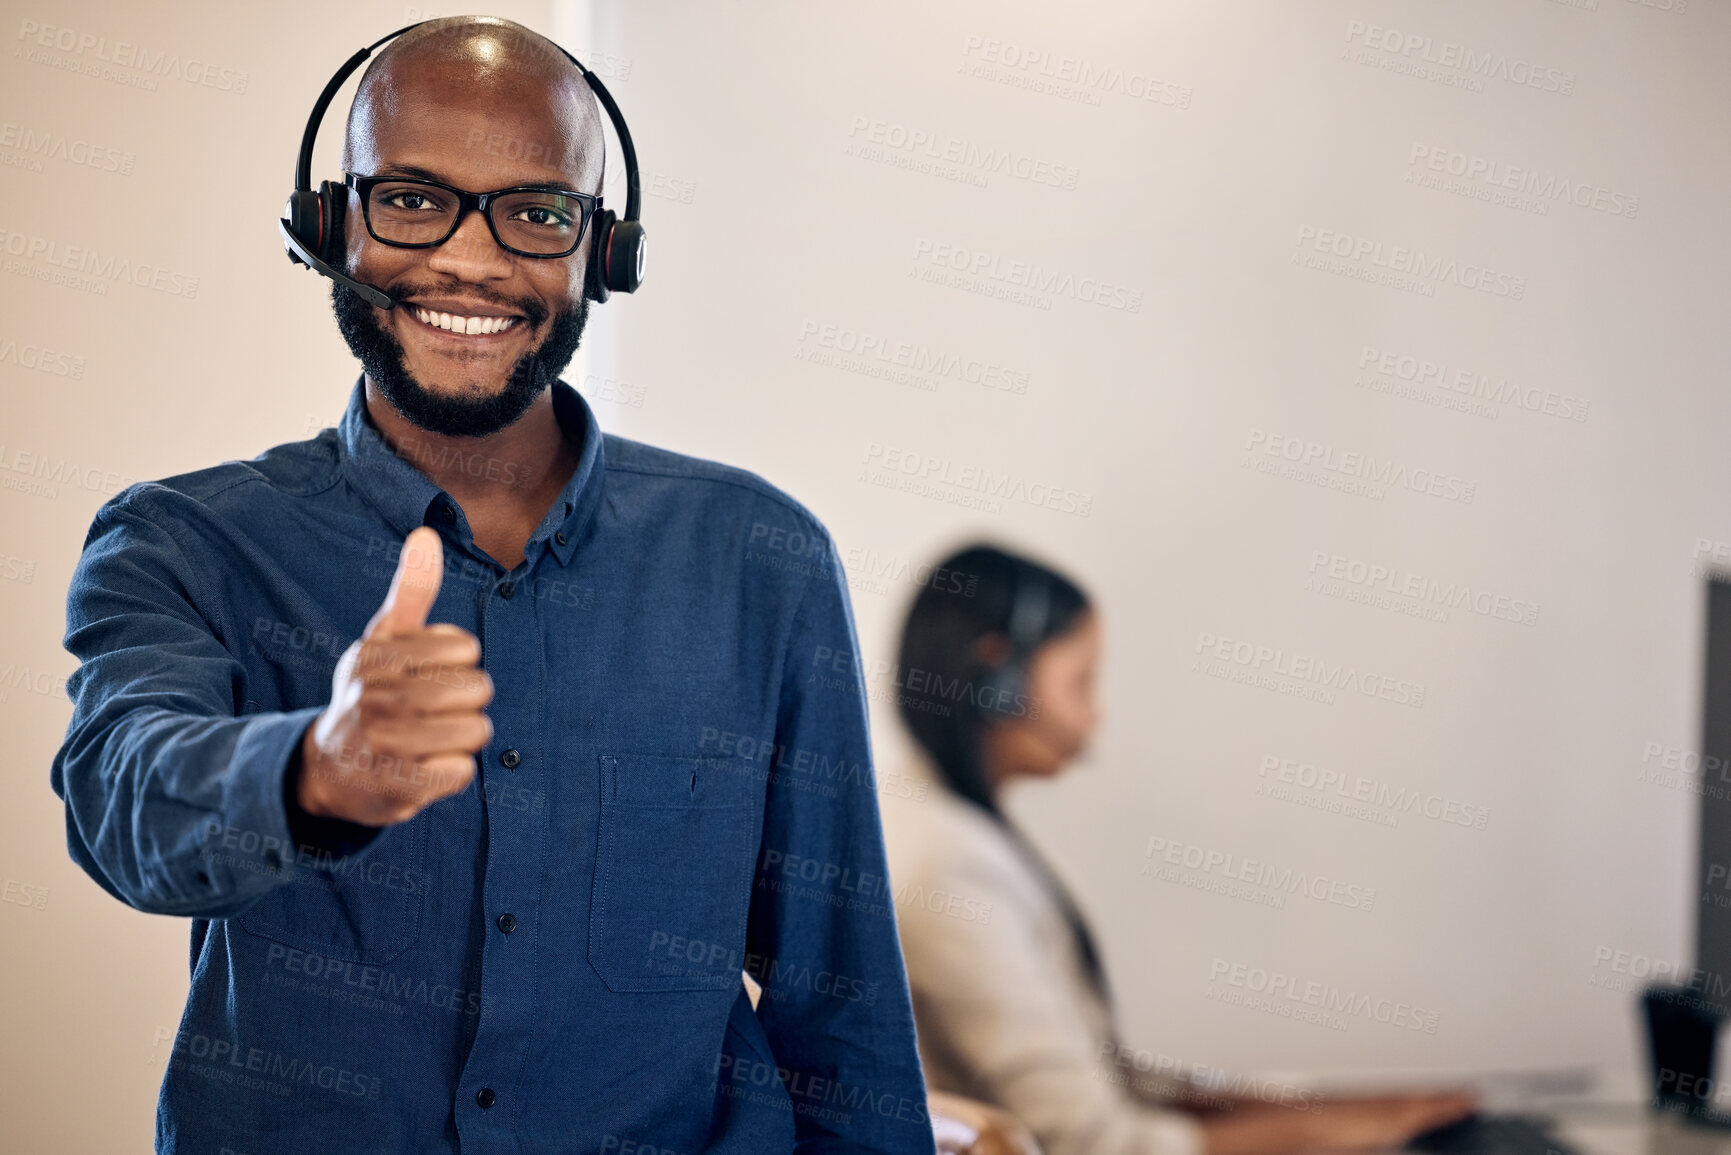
[{"x": 414, "y": 588}]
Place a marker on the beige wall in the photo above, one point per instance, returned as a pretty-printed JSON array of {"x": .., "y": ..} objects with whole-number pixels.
[
  {"x": 1212, "y": 146},
  {"x": 1192, "y": 155}
]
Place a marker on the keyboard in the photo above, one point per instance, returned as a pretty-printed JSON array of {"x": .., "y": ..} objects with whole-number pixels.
[{"x": 1492, "y": 1135}]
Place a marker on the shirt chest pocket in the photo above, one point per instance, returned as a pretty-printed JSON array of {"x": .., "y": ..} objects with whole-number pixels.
[
  {"x": 674, "y": 862},
  {"x": 363, "y": 908}
]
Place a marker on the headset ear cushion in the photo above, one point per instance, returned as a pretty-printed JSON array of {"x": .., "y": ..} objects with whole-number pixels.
[
  {"x": 334, "y": 206},
  {"x": 625, "y": 256},
  {"x": 595, "y": 285},
  {"x": 304, "y": 215}
]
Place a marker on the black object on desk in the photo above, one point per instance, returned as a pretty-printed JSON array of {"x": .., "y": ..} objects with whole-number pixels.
[
  {"x": 1681, "y": 1031},
  {"x": 1492, "y": 1135}
]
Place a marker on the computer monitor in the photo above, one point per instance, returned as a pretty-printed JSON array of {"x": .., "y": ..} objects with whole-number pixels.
[{"x": 1713, "y": 860}]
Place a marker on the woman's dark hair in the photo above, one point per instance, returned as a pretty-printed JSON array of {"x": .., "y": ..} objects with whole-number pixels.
[{"x": 950, "y": 691}]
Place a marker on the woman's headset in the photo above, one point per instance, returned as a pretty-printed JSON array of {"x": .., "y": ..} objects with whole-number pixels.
[
  {"x": 1030, "y": 610},
  {"x": 312, "y": 224}
]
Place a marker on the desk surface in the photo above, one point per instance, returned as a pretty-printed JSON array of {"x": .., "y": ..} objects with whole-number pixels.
[{"x": 1633, "y": 1129}]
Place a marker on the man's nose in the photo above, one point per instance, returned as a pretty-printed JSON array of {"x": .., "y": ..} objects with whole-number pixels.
[{"x": 471, "y": 253}]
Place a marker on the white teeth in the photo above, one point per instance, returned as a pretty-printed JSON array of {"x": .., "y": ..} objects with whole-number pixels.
[{"x": 464, "y": 325}]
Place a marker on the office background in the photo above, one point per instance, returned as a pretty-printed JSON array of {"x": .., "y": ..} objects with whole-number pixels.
[{"x": 1363, "y": 358}]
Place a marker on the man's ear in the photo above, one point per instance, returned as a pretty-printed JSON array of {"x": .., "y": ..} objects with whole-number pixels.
[{"x": 589, "y": 285}]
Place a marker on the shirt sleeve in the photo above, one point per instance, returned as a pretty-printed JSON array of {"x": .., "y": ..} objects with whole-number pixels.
[
  {"x": 822, "y": 930},
  {"x": 174, "y": 804},
  {"x": 1005, "y": 1008}
]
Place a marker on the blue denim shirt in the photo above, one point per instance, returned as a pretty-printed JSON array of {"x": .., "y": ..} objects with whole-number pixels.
[{"x": 679, "y": 789}]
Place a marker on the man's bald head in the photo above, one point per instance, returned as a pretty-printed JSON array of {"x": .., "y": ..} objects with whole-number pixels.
[
  {"x": 519, "y": 108},
  {"x": 479, "y": 104}
]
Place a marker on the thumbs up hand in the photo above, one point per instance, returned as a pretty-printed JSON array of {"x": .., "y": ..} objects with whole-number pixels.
[{"x": 405, "y": 717}]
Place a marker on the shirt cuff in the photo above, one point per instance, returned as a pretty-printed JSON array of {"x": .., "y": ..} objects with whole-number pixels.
[
  {"x": 248, "y": 844},
  {"x": 318, "y": 839}
]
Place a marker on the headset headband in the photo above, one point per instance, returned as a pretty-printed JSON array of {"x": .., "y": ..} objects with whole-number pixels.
[
  {"x": 1029, "y": 609},
  {"x": 304, "y": 164}
]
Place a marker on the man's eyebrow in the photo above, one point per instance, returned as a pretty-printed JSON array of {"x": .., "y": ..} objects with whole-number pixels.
[{"x": 428, "y": 174}]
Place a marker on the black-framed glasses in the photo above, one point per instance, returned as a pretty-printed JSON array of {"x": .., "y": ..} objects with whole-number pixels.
[{"x": 531, "y": 221}]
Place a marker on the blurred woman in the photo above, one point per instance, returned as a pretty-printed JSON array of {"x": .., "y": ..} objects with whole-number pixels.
[{"x": 997, "y": 666}]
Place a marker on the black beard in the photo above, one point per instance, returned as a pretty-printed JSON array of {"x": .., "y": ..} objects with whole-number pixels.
[{"x": 381, "y": 355}]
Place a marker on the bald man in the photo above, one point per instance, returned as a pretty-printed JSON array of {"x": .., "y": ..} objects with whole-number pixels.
[{"x": 489, "y": 753}]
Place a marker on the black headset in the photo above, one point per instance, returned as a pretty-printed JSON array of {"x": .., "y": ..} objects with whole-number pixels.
[
  {"x": 1030, "y": 611},
  {"x": 312, "y": 224}
]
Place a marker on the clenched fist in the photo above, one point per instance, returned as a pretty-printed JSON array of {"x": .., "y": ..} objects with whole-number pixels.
[{"x": 405, "y": 717}]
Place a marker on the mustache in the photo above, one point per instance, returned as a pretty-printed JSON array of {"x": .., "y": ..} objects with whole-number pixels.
[{"x": 534, "y": 311}]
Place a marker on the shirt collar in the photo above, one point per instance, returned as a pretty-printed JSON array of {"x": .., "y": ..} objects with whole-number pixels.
[{"x": 407, "y": 498}]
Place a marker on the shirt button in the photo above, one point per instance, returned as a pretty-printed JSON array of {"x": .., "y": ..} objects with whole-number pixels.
[
  {"x": 449, "y": 514},
  {"x": 506, "y": 589},
  {"x": 560, "y": 538},
  {"x": 509, "y": 759},
  {"x": 485, "y": 1097},
  {"x": 507, "y": 922},
  {"x": 273, "y": 860}
]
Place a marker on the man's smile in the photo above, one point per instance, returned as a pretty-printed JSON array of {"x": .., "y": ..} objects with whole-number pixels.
[{"x": 472, "y": 323}]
